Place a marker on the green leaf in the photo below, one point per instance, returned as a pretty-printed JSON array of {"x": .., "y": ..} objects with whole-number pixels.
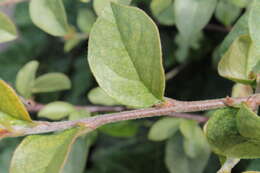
[
  {"x": 56, "y": 110},
  {"x": 226, "y": 12},
  {"x": 121, "y": 129},
  {"x": 25, "y": 79},
  {"x": 51, "y": 82},
  {"x": 163, "y": 10},
  {"x": 192, "y": 15},
  {"x": 85, "y": 20},
  {"x": 125, "y": 57},
  {"x": 79, "y": 114},
  {"x": 71, "y": 43},
  {"x": 241, "y": 3},
  {"x": 241, "y": 90},
  {"x": 238, "y": 62},
  {"x": 254, "y": 23},
  {"x": 11, "y": 104},
  {"x": 248, "y": 123},
  {"x": 43, "y": 153},
  {"x": 78, "y": 156},
  {"x": 99, "y": 96},
  {"x": 100, "y": 5},
  {"x": 240, "y": 28},
  {"x": 7, "y": 29},
  {"x": 256, "y": 68},
  {"x": 50, "y": 16},
  {"x": 164, "y": 129},
  {"x": 194, "y": 142},
  {"x": 178, "y": 162}
]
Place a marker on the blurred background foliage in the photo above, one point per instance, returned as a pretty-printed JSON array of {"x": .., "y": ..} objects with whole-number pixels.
[{"x": 124, "y": 148}]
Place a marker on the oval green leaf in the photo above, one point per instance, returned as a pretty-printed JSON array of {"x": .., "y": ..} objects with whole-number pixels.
[
  {"x": 56, "y": 110},
  {"x": 43, "y": 153},
  {"x": 239, "y": 61},
  {"x": 125, "y": 56},
  {"x": 7, "y": 29},
  {"x": 85, "y": 20},
  {"x": 51, "y": 82},
  {"x": 100, "y": 5},
  {"x": 99, "y": 96},
  {"x": 25, "y": 79},
  {"x": 164, "y": 129},
  {"x": 50, "y": 16},
  {"x": 11, "y": 104},
  {"x": 192, "y": 15}
]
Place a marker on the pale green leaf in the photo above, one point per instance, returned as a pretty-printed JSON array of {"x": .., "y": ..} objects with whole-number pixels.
[
  {"x": 241, "y": 3},
  {"x": 163, "y": 10},
  {"x": 7, "y": 29},
  {"x": 56, "y": 110},
  {"x": 99, "y": 96},
  {"x": 25, "y": 79},
  {"x": 71, "y": 43},
  {"x": 240, "y": 28},
  {"x": 51, "y": 82},
  {"x": 178, "y": 162},
  {"x": 11, "y": 104},
  {"x": 121, "y": 129},
  {"x": 254, "y": 23},
  {"x": 238, "y": 62},
  {"x": 43, "y": 153},
  {"x": 194, "y": 140},
  {"x": 164, "y": 129},
  {"x": 85, "y": 20},
  {"x": 79, "y": 114},
  {"x": 226, "y": 12},
  {"x": 125, "y": 56},
  {"x": 248, "y": 123},
  {"x": 241, "y": 90},
  {"x": 50, "y": 16},
  {"x": 192, "y": 15},
  {"x": 100, "y": 5},
  {"x": 256, "y": 68}
]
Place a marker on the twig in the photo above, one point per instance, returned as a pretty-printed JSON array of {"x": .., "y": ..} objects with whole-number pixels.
[
  {"x": 172, "y": 107},
  {"x": 218, "y": 28}
]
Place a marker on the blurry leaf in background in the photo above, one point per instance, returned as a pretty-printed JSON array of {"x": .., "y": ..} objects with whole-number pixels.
[
  {"x": 25, "y": 79},
  {"x": 79, "y": 114},
  {"x": 71, "y": 43},
  {"x": 85, "y": 19},
  {"x": 7, "y": 29},
  {"x": 11, "y": 104},
  {"x": 184, "y": 47},
  {"x": 238, "y": 62},
  {"x": 54, "y": 20},
  {"x": 100, "y": 5},
  {"x": 51, "y": 82},
  {"x": 241, "y": 90},
  {"x": 125, "y": 58},
  {"x": 163, "y": 10},
  {"x": 164, "y": 129},
  {"x": 254, "y": 24},
  {"x": 178, "y": 161},
  {"x": 194, "y": 142},
  {"x": 192, "y": 16},
  {"x": 56, "y": 110},
  {"x": 43, "y": 153},
  {"x": 121, "y": 129},
  {"x": 99, "y": 96},
  {"x": 226, "y": 12},
  {"x": 240, "y": 28},
  {"x": 254, "y": 165},
  {"x": 241, "y": 3}
]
